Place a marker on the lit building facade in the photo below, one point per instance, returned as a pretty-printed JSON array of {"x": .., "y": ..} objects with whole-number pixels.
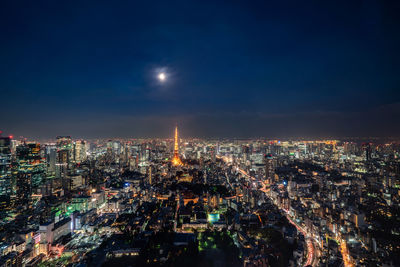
[
  {"x": 5, "y": 170},
  {"x": 30, "y": 170}
]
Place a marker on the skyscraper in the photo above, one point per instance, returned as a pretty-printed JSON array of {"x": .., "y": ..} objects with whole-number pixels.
[
  {"x": 51, "y": 158},
  {"x": 5, "y": 170},
  {"x": 64, "y": 159},
  {"x": 368, "y": 150},
  {"x": 30, "y": 171},
  {"x": 269, "y": 168},
  {"x": 79, "y": 151}
]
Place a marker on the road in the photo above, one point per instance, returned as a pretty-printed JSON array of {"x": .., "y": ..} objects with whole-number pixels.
[
  {"x": 309, "y": 243},
  {"x": 345, "y": 253},
  {"x": 311, "y": 255}
]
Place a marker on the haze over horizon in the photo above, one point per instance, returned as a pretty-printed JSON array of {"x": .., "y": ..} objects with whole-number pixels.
[{"x": 232, "y": 69}]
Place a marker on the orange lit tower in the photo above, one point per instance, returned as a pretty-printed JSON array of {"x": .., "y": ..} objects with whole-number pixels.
[{"x": 176, "y": 160}]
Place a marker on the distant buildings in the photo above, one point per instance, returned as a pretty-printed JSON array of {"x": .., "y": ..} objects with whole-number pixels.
[{"x": 56, "y": 198}]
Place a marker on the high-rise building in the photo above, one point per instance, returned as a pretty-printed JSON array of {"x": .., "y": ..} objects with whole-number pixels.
[
  {"x": 64, "y": 161},
  {"x": 30, "y": 170},
  {"x": 116, "y": 147},
  {"x": 269, "y": 168},
  {"x": 79, "y": 151},
  {"x": 51, "y": 158},
  {"x": 5, "y": 169},
  {"x": 64, "y": 156},
  {"x": 367, "y": 148}
]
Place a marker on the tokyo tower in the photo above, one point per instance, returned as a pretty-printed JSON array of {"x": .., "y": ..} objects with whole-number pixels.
[{"x": 176, "y": 161}]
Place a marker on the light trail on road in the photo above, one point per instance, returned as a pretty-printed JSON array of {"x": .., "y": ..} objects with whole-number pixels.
[
  {"x": 345, "y": 254},
  {"x": 310, "y": 246},
  {"x": 309, "y": 243}
]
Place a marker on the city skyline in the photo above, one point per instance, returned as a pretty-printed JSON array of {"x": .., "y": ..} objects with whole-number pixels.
[
  {"x": 107, "y": 202},
  {"x": 200, "y": 133}
]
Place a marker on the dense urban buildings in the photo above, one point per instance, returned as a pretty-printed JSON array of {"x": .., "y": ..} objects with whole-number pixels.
[
  {"x": 181, "y": 202},
  {"x": 200, "y": 133}
]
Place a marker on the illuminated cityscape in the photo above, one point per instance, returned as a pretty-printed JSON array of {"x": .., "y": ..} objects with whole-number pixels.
[
  {"x": 200, "y": 133},
  {"x": 249, "y": 202}
]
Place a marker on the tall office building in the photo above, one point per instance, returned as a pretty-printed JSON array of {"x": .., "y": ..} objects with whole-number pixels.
[
  {"x": 64, "y": 160},
  {"x": 30, "y": 170},
  {"x": 79, "y": 151},
  {"x": 116, "y": 147},
  {"x": 368, "y": 151},
  {"x": 64, "y": 155},
  {"x": 51, "y": 158},
  {"x": 269, "y": 168},
  {"x": 5, "y": 169}
]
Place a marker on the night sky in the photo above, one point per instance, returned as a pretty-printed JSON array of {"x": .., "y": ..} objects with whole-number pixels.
[{"x": 273, "y": 69}]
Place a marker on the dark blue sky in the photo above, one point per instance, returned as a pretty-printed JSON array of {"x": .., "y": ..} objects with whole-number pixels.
[{"x": 235, "y": 68}]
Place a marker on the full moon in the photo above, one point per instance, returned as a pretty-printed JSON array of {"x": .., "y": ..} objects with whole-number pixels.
[{"x": 161, "y": 76}]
